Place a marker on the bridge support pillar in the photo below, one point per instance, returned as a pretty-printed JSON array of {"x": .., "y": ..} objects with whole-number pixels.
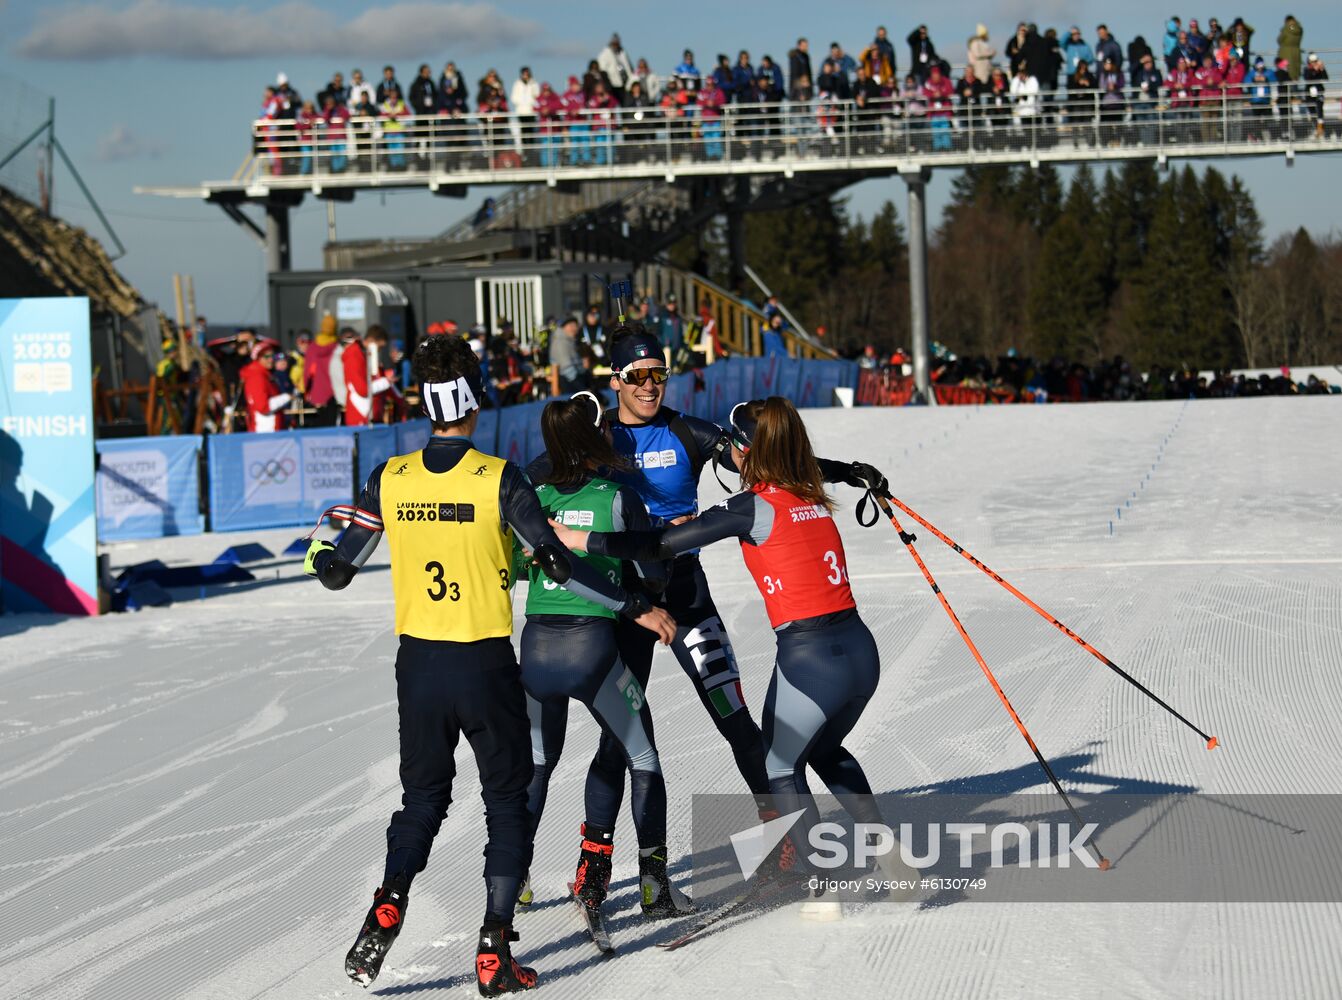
[
  {"x": 277, "y": 237},
  {"x": 918, "y": 297}
]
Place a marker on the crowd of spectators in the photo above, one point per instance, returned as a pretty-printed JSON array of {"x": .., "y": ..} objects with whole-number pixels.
[
  {"x": 343, "y": 377},
  {"x": 1016, "y": 378},
  {"x": 1190, "y": 79}
]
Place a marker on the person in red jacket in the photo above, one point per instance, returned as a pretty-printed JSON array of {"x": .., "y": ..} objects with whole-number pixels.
[
  {"x": 550, "y": 112},
  {"x": 365, "y": 382},
  {"x": 1207, "y": 80},
  {"x": 710, "y": 101},
  {"x": 265, "y": 403},
  {"x": 939, "y": 92},
  {"x": 601, "y": 109},
  {"x": 579, "y": 127}
]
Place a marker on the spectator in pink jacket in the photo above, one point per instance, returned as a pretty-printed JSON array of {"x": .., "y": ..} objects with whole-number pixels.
[
  {"x": 711, "y": 99},
  {"x": 579, "y": 129},
  {"x": 600, "y": 107},
  {"x": 550, "y": 116},
  {"x": 938, "y": 91}
]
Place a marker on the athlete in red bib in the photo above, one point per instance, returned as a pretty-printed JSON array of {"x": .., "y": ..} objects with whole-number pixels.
[{"x": 828, "y": 665}]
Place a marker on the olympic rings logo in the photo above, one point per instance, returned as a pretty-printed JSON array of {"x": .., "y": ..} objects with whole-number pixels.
[{"x": 276, "y": 470}]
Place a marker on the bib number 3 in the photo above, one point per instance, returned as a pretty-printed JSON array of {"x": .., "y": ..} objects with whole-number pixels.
[
  {"x": 440, "y": 587},
  {"x": 837, "y": 574}
]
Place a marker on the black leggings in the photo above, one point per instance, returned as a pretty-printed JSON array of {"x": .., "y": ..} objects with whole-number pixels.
[
  {"x": 446, "y": 690},
  {"x": 576, "y": 658},
  {"x": 705, "y": 653},
  {"x": 824, "y": 677}
]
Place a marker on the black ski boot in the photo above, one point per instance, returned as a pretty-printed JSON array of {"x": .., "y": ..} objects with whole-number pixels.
[
  {"x": 593, "y": 875},
  {"x": 496, "y": 971},
  {"x": 380, "y": 929},
  {"x": 659, "y": 897}
]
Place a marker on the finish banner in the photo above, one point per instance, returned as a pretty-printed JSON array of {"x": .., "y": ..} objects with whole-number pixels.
[{"x": 48, "y": 538}]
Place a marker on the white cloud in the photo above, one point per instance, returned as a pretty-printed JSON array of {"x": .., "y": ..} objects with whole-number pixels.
[
  {"x": 293, "y": 28},
  {"x": 121, "y": 143}
]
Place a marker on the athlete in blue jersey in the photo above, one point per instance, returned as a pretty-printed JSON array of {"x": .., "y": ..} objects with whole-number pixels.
[{"x": 667, "y": 451}]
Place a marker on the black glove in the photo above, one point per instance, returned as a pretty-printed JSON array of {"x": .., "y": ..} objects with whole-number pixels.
[
  {"x": 868, "y": 477},
  {"x": 637, "y": 605}
]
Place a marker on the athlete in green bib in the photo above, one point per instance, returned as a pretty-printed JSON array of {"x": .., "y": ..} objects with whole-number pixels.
[{"x": 569, "y": 651}]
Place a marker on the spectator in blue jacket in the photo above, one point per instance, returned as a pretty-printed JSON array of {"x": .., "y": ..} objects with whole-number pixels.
[
  {"x": 1107, "y": 47},
  {"x": 844, "y": 64},
  {"x": 1172, "y": 28},
  {"x": 769, "y": 68},
  {"x": 1076, "y": 51},
  {"x": 743, "y": 78},
  {"x": 772, "y": 342},
  {"x": 688, "y": 73},
  {"x": 671, "y": 327},
  {"x": 724, "y": 77}
]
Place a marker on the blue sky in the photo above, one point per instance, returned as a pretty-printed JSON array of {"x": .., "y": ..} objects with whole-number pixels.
[{"x": 160, "y": 92}]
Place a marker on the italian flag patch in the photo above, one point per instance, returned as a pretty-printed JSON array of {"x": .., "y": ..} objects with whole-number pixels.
[{"x": 728, "y": 699}]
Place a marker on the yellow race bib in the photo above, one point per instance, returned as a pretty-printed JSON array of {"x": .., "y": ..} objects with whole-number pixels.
[{"x": 451, "y": 553}]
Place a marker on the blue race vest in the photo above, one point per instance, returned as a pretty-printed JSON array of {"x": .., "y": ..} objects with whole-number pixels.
[{"x": 662, "y": 474}]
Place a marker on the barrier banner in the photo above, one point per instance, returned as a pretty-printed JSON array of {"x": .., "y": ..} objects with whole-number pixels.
[
  {"x": 680, "y": 393},
  {"x": 376, "y": 445},
  {"x": 519, "y": 433},
  {"x": 412, "y": 436},
  {"x": 48, "y": 523},
  {"x": 274, "y": 480},
  {"x": 728, "y": 387},
  {"x": 817, "y": 381},
  {"x": 149, "y": 487}
]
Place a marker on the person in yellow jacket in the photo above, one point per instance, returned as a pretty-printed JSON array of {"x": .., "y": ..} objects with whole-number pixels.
[
  {"x": 450, "y": 513},
  {"x": 394, "y": 112}
]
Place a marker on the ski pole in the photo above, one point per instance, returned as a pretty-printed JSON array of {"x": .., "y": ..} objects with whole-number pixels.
[
  {"x": 1210, "y": 740},
  {"x": 908, "y": 541}
]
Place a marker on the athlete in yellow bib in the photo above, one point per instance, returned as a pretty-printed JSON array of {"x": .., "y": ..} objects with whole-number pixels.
[{"x": 450, "y": 513}]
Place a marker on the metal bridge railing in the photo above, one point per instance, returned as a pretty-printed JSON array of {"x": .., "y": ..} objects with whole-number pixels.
[{"x": 823, "y": 130}]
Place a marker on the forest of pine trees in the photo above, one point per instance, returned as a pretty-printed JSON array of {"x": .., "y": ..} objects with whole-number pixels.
[{"x": 1165, "y": 269}]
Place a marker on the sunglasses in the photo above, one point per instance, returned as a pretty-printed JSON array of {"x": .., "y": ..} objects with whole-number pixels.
[{"x": 640, "y": 376}]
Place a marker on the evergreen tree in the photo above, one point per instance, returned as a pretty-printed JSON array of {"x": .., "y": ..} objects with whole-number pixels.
[{"x": 1068, "y": 299}]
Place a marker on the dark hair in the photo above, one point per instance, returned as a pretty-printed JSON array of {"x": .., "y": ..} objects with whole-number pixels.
[
  {"x": 376, "y": 334},
  {"x": 780, "y": 452},
  {"x": 573, "y": 443},
  {"x": 444, "y": 359}
]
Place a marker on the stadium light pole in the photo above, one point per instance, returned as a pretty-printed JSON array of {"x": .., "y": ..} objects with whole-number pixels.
[{"x": 916, "y": 180}]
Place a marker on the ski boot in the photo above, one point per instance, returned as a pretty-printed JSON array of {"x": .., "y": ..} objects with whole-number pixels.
[
  {"x": 783, "y": 858},
  {"x": 496, "y": 971},
  {"x": 660, "y": 899},
  {"x": 380, "y": 929},
  {"x": 592, "y": 878}
]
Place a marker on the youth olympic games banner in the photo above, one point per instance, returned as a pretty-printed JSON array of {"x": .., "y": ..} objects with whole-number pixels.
[
  {"x": 149, "y": 487},
  {"x": 274, "y": 480},
  {"x": 48, "y": 539}
]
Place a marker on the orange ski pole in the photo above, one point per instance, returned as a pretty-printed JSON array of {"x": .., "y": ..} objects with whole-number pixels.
[
  {"x": 908, "y": 541},
  {"x": 1211, "y": 741}
]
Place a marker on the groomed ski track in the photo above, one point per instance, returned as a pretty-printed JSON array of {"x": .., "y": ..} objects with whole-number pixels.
[{"x": 193, "y": 799}]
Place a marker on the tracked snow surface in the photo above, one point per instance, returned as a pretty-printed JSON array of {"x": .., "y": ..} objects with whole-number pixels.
[{"x": 193, "y": 799}]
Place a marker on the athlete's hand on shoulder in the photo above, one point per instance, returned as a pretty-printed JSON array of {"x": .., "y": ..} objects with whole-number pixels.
[
  {"x": 657, "y": 620},
  {"x": 318, "y": 546},
  {"x": 869, "y": 477},
  {"x": 572, "y": 538}
]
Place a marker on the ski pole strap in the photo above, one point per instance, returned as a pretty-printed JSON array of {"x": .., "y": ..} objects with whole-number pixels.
[
  {"x": 351, "y": 514},
  {"x": 717, "y": 464},
  {"x": 862, "y": 521}
]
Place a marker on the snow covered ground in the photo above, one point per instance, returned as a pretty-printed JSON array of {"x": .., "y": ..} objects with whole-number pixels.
[{"x": 193, "y": 799}]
